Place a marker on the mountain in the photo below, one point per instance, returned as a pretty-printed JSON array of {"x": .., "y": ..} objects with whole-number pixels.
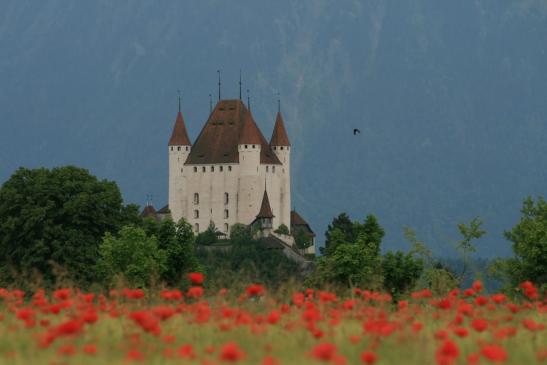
[{"x": 450, "y": 97}]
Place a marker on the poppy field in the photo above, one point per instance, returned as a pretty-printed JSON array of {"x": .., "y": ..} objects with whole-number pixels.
[{"x": 67, "y": 326}]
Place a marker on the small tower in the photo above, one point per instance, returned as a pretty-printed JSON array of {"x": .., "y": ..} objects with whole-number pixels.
[
  {"x": 179, "y": 148},
  {"x": 264, "y": 218},
  {"x": 282, "y": 148}
]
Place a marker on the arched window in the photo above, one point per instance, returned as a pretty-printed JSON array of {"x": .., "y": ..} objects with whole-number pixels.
[
  {"x": 196, "y": 227},
  {"x": 195, "y": 169},
  {"x": 229, "y": 168},
  {"x": 212, "y": 169},
  {"x": 203, "y": 169},
  {"x": 186, "y": 148},
  {"x": 226, "y": 198},
  {"x": 196, "y": 198},
  {"x": 196, "y": 213},
  {"x": 226, "y": 227},
  {"x": 178, "y": 148},
  {"x": 221, "y": 168},
  {"x": 226, "y": 214}
]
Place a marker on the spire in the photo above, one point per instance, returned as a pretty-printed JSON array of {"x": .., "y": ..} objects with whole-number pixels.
[
  {"x": 265, "y": 209},
  {"x": 279, "y": 134},
  {"x": 218, "y": 71},
  {"x": 240, "y": 84},
  {"x": 179, "y": 137},
  {"x": 250, "y": 134},
  {"x": 178, "y": 91}
]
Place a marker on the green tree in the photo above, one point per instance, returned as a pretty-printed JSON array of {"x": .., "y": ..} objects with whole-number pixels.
[
  {"x": 401, "y": 272},
  {"x": 343, "y": 227},
  {"x": 240, "y": 234},
  {"x": 207, "y": 237},
  {"x": 529, "y": 238},
  {"x": 132, "y": 254},
  {"x": 465, "y": 246},
  {"x": 282, "y": 229},
  {"x": 370, "y": 232},
  {"x": 302, "y": 240},
  {"x": 59, "y": 216}
]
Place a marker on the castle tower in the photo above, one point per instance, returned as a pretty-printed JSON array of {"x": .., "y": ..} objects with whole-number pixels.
[
  {"x": 282, "y": 148},
  {"x": 179, "y": 147},
  {"x": 264, "y": 218},
  {"x": 249, "y": 148}
]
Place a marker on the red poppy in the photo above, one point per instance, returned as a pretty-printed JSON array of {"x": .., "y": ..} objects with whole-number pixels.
[
  {"x": 196, "y": 278},
  {"x": 324, "y": 351},
  {"x": 494, "y": 353},
  {"x": 231, "y": 352},
  {"x": 368, "y": 357}
]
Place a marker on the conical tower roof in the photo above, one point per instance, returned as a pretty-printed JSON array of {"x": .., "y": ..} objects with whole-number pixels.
[
  {"x": 279, "y": 135},
  {"x": 179, "y": 137},
  {"x": 250, "y": 134},
  {"x": 265, "y": 209}
]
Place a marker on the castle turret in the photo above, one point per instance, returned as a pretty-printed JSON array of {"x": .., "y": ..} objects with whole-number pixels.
[
  {"x": 264, "y": 218},
  {"x": 179, "y": 148},
  {"x": 282, "y": 148}
]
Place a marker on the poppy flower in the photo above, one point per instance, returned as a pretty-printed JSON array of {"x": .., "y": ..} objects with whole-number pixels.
[
  {"x": 231, "y": 352},
  {"x": 368, "y": 357},
  {"x": 196, "y": 278},
  {"x": 494, "y": 353},
  {"x": 324, "y": 351}
]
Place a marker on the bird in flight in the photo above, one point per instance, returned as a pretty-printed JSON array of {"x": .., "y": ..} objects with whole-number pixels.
[{"x": 356, "y": 131}]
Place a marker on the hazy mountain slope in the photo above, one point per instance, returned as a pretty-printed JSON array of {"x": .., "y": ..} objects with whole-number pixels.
[{"x": 451, "y": 99}]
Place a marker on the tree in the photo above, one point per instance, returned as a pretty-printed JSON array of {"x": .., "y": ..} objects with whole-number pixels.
[
  {"x": 401, "y": 272},
  {"x": 370, "y": 232},
  {"x": 59, "y": 216},
  {"x": 132, "y": 254},
  {"x": 207, "y": 237},
  {"x": 344, "y": 232},
  {"x": 529, "y": 238},
  {"x": 282, "y": 229},
  {"x": 349, "y": 265},
  {"x": 302, "y": 240},
  {"x": 465, "y": 246},
  {"x": 240, "y": 234}
]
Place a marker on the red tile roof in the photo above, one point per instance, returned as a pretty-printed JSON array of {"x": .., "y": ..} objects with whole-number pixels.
[
  {"x": 223, "y": 131},
  {"x": 265, "y": 209},
  {"x": 179, "y": 137},
  {"x": 149, "y": 211},
  {"x": 298, "y": 222},
  {"x": 279, "y": 135}
]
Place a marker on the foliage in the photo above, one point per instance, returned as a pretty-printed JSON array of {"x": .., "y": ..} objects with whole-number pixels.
[
  {"x": 282, "y": 229},
  {"x": 57, "y": 216},
  {"x": 246, "y": 260},
  {"x": 465, "y": 246},
  {"x": 529, "y": 238},
  {"x": 132, "y": 254},
  {"x": 178, "y": 243},
  {"x": 401, "y": 272},
  {"x": 343, "y": 230},
  {"x": 207, "y": 237},
  {"x": 302, "y": 239}
]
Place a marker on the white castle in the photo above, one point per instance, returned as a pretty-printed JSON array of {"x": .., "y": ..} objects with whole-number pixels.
[{"x": 232, "y": 174}]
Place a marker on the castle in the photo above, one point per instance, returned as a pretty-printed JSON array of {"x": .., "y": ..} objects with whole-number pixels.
[{"x": 232, "y": 174}]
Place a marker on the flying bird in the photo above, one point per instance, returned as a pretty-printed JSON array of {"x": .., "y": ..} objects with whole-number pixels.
[{"x": 356, "y": 131}]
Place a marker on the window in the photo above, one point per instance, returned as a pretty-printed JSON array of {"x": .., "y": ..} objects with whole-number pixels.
[
  {"x": 253, "y": 146},
  {"x": 275, "y": 148},
  {"x": 226, "y": 227},
  {"x": 226, "y": 214},
  {"x": 181, "y": 170},
  {"x": 226, "y": 198},
  {"x": 186, "y": 148},
  {"x": 267, "y": 167},
  {"x": 196, "y": 227},
  {"x": 203, "y": 169},
  {"x": 195, "y": 169},
  {"x": 196, "y": 213},
  {"x": 229, "y": 168},
  {"x": 178, "y": 148},
  {"x": 246, "y": 146},
  {"x": 221, "y": 168},
  {"x": 281, "y": 147},
  {"x": 273, "y": 168},
  {"x": 171, "y": 148},
  {"x": 196, "y": 198},
  {"x": 212, "y": 169}
]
